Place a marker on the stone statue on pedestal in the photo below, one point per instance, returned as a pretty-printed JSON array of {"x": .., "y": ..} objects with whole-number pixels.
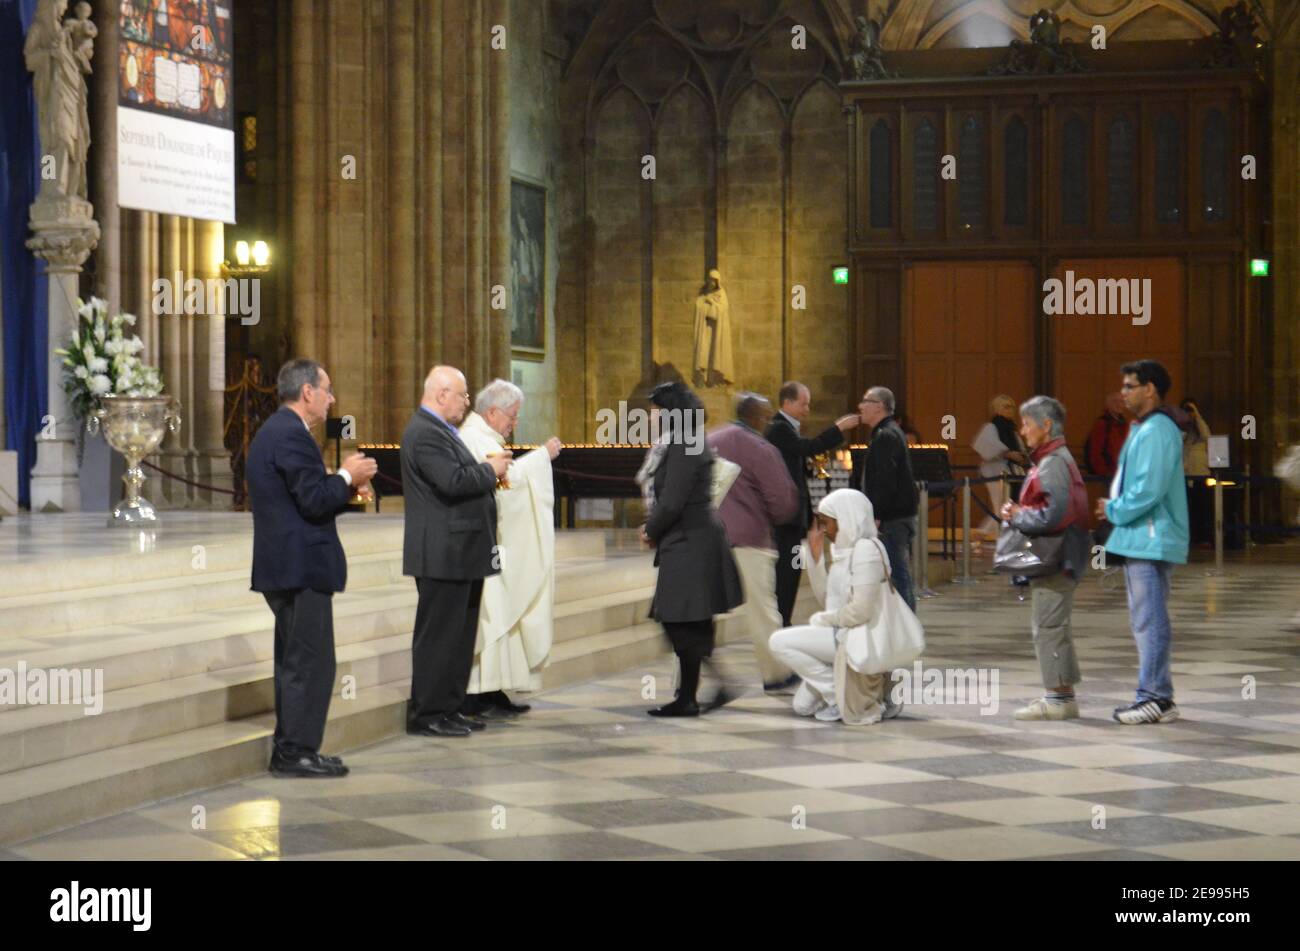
[
  {"x": 64, "y": 230},
  {"x": 712, "y": 361},
  {"x": 57, "y": 55}
]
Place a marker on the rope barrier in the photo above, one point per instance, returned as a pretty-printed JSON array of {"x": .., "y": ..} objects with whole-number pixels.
[{"x": 197, "y": 485}]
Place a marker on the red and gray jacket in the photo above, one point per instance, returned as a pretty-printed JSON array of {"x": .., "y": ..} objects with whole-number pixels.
[{"x": 1053, "y": 500}]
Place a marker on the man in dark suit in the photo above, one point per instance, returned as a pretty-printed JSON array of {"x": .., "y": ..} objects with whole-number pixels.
[
  {"x": 450, "y": 546},
  {"x": 298, "y": 562},
  {"x": 795, "y": 400}
]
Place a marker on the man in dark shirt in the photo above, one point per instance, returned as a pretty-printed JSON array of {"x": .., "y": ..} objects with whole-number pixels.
[
  {"x": 886, "y": 479},
  {"x": 795, "y": 400}
]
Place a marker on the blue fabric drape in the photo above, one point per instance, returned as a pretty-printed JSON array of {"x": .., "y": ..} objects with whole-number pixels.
[{"x": 25, "y": 291}]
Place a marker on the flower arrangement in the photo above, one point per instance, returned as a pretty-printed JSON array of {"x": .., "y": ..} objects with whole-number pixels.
[{"x": 100, "y": 360}]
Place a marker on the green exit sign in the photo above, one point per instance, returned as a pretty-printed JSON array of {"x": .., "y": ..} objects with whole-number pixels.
[
  {"x": 1259, "y": 267},
  {"x": 840, "y": 275}
]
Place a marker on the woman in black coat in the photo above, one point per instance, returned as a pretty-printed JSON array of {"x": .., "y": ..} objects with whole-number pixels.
[{"x": 697, "y": 574}]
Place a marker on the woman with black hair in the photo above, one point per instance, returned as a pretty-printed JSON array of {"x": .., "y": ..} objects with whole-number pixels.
[{"x": 697, "y": 574}]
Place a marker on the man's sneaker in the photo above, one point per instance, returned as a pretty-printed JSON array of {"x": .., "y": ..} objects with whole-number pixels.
[
  {"x": 1044, "y": 709},
  {"x": 1147, "y": 711},
  {"x": 892, "y": 709}
]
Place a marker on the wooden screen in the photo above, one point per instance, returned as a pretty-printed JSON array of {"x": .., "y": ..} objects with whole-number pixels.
[
  {"x": 968, "y": 335},
  {"x": 1088, "y": 350}
]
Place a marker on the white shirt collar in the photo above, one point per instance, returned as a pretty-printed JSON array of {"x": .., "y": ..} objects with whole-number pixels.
[{"x": 793, "y": 422}]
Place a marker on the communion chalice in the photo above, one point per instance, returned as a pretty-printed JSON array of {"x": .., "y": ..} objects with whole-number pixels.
[{"x": 502, "y": 481}]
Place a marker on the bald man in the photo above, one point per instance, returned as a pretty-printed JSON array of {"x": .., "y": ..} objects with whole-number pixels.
[{"x": 449, "y": 548}]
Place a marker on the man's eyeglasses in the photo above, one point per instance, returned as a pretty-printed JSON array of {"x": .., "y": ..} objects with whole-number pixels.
[
  {"x": 1132, "y": 386},
  {"x": 860, "y": 402}
]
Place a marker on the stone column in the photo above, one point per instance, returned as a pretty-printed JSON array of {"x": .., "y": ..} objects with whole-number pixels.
[
  {"x": 103, "y": 118},
  {"x": 175, "y": 330},
  {"x": 206, "y": 418},
  {"x": 65, "y": 232}
]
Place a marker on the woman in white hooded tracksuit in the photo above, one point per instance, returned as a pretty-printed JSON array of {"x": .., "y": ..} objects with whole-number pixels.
[{"x": 852, "y": 591}]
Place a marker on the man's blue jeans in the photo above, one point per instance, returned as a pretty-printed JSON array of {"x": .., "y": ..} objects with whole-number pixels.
[
  {"x": 1148, "y": 610},
  {"x": 896, "y": 535}
]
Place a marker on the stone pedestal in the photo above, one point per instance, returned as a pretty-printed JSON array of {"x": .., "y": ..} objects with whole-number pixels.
[{"x": 64, "y": 234}]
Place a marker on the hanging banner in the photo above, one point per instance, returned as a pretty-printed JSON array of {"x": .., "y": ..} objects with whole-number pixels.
[{"x": 175, "y": 127}]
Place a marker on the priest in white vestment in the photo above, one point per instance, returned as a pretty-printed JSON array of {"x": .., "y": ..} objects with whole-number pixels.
[{"x": 515, "y": 620}]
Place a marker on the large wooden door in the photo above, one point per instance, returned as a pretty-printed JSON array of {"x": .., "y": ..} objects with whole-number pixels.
[
  {"x": 968, "y": 335},
  {"x": 1088, "y": 350}
]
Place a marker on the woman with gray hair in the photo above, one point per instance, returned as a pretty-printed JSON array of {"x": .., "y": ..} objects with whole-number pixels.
[{"x": 1053, "y": 501}]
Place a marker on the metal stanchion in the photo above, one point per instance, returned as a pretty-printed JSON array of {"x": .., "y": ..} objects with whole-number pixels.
[
  {"x": 965, "y": 577},
  {"x": 1218, "y": 529},
  {"x": 1246, "y": 516},
  {"x": 922, "y": 582}
]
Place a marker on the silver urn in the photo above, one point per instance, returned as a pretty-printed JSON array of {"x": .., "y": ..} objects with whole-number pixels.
[{"x": 135, "y": 427}]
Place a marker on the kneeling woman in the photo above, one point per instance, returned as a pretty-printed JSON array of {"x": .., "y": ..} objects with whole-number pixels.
[
  {"x": 852, "y": 591},
  {"x": 697, "y": 573}
]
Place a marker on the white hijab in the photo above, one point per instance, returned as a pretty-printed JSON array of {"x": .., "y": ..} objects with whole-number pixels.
[{"x": 855, "y": 517}]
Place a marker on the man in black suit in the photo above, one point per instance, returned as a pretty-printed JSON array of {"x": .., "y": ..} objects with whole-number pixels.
[
  {"x": 449, "y": 547},
  {"x": 298, "y": 562},
  {"x": 795, "y": 400}
]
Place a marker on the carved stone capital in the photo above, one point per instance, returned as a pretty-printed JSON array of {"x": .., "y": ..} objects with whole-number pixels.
[{"x": 64, "y": 232}]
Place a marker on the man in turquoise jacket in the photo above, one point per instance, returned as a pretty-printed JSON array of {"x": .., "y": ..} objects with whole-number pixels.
[{"x": 1148, "y": 514}]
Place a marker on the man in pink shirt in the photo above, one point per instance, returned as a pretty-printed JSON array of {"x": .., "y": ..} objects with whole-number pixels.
[{"x": 762, "y": 497}]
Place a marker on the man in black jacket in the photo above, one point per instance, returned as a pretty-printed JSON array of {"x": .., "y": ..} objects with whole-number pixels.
[
  {"x": 449, "y": 547},
  {"x": 298, "y": 562},
  {"x": 795, "y": 399},
  {"x": 886, "y": 479}
]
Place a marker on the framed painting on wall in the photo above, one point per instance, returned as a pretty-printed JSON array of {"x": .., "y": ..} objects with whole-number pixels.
[{"x": 527, "y": 270}]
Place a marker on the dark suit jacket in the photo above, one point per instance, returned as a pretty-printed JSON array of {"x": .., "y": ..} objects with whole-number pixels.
[
  {"x": 698, "y": 577},
  {"x": 451, "y": 509},
  {"x": 294, "y": 501},
  {"x": 795, "y": 451}
]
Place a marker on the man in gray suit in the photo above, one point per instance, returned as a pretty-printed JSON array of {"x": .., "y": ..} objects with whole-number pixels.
[{"x": 449, "y": 547}]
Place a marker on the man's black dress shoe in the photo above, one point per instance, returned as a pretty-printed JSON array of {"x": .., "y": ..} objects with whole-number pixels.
[
  {"x": 461, "y": 720},
  {"x": 307, "y": 765},
  {"x": 492, "y": 713},
  {"x": 678, "y": 708},
  {"x": 443, "y": 726}
]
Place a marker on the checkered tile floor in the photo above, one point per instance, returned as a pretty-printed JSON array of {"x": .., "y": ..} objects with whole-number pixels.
[{"x": 587, "y": 775}]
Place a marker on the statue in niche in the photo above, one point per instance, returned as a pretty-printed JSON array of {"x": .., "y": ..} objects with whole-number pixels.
[
  {"x": 1045, "y": 52},
  {"x": 1236, "y": 45},
  {"x": 58, "y": 53},
  {"x": 712, "y": 361},
  {"x": 865, "y": 55}
]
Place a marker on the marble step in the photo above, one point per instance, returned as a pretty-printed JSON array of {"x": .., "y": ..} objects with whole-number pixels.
[
  {"x": 35, "y": 735},
  {"x": 195, "y": 643},
  {"x": 41, "y": 799},
  {"x": 104, "y": 557},
  {"x": 28, "y": 614}
]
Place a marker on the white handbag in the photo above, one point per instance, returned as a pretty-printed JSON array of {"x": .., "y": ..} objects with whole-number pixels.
[
  {"x": 725, "y": 473},
  {"x": 895, "y": 640}
]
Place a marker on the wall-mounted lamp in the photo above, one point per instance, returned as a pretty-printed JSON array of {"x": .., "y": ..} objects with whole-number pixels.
[{"x": 250, "y": 261}]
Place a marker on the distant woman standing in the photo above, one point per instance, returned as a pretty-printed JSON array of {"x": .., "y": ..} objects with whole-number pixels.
[
  {"x": 697, "y": 574},
  {"x": 1000, "y": 449}
]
